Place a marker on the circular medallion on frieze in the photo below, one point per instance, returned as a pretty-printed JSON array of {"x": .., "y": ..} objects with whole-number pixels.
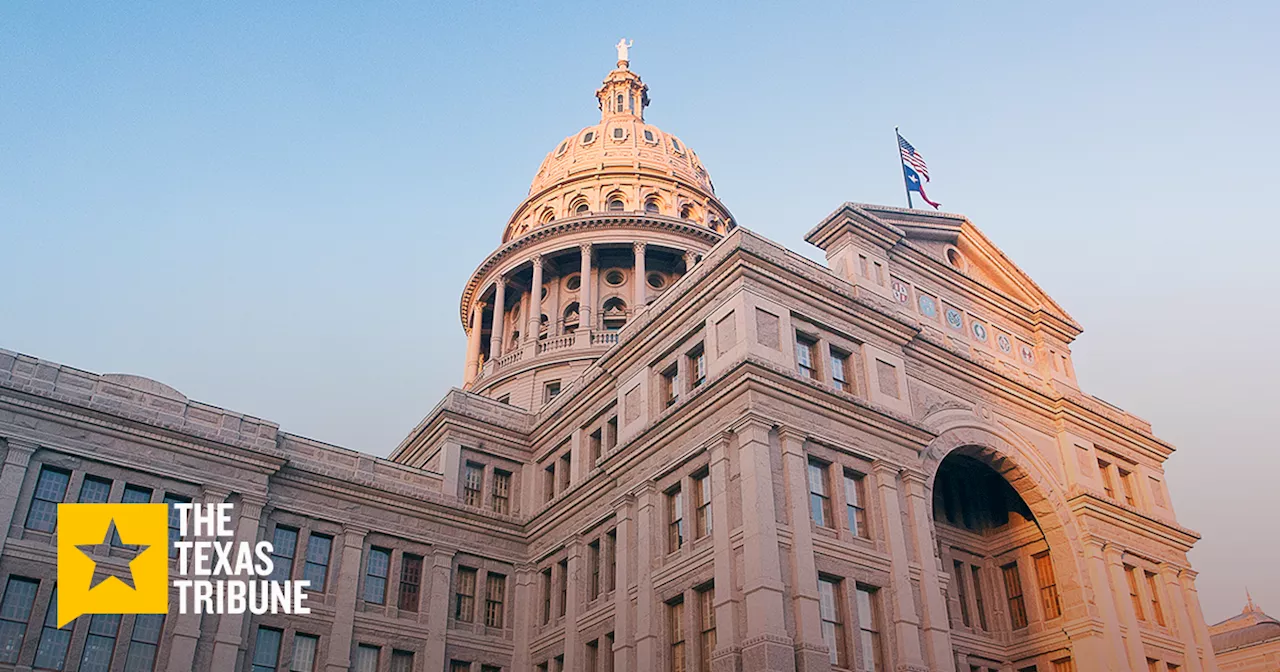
[
  {"x": 900, "y": 292},
  {"x": 979, "y": 331},
  {"x": 928, "y": 307},
  {"x": 1003, "y": 342},
  {"x": 954, "y": 319}
]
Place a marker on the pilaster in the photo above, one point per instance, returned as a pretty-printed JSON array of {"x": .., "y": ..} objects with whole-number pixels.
[
  {"x": 811, "y": 650},
  {"x": 646, "y": 627},
  {"x": 1133, "y": 649},
  {"x": 230, "y": 634},
  {"x": 906, "y": 624},
  {"x": 347, "y": 587},
  {"x": 935, "y": 622},
  {"x": 727, "y": 656},
  {"x": 438, "y": 612},
  {"x": 623, "y": 619},
  {"x": 14, "y": 471}
]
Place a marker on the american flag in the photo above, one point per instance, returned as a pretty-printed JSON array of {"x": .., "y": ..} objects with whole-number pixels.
[{"x": 912, "y": 158}]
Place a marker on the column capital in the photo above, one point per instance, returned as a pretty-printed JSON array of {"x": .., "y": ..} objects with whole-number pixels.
[
  {"x": 914, "y": 478},
  {"x": 20, "y": 451},
  {"x": 883, "y": 468},
  {"x": 638, "y": 247},
  {"x": 792, "y": 437},
  {"x": 442, "y": 556},
  {"x": 585, "y": 248},
  {"x": 750, "y": 426},
  {"x": 354, "y": 533},
  {"x": 535, "y": 258}
]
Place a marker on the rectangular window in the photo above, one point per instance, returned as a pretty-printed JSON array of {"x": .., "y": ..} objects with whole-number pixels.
[
  {"x": 593, "y": 656},
  {"x": 546, "y": 596},
  {"x": 549, "y": 481},
  {"x": 1131, "y": 575},
  {"x": 611, "y": 434},
  {"x": 410, "y": 582},
  {"x": 501, "y": 491},
  {"x": 51, "y": 488},
  {"x": 51, "y": 654},
  {"x": 316, "y": 568},
  {"x": 133, "y": 494},
  {"x": 175, "y": 518},
  {"x": 495, "y": 599},
  {"x": 1153, "y": 665},
  {"x": 266, "y": 650},
  {"x": 144, "y": 642},
  {"x": 611, "y": 559},
  {"x": 464, "y": 606},
  {"x": 697, "y": 367},
  {"x": 832, "y": 612},
  {"x": 489, "y": 668},
  {"x": 1153, "y": 586},
  {"x": 472, "y": 482},
  {"x": 100, "y": 645},
  {"x": 401, "y": 661},
  {"x": 565, "y": 470},
  {"x": 1126, "y": 486},
  {"x": 551, "y": 391},
  {"x": 284, "y": 545},
  {"x": 869, "y": 629},
  {"x": 819, "y": 499},
  {"x": 1013, "y": 590},
  {"x": 1063, "y": 665},
  {"x": 1048, "y": 585},
  {"x": 804, "y": 356},
  {"x": 94, "y": 490},
  {"x": 564, "y": 586},
  {"x": 840, "y": 371},
  {"x": 15, "y": 611},
  {"x": 706, "y": 627},
  {"x": 977, "y": 596},
  {"x": 702, "y": 504},
  {"x": 304, "y": 653},
  {"x": 855, "y": 512},
  {"x": 675, "y": 520},
  {"x": 459, "y": 666},
  {"x": 596, "y": 443},
  {"x": 608, "y": 647},
  {"x": 1104, "y": 469},
  {"x": 667, "y": 386},
  {"x": 593, "y": 567},
  {"x": 962, "y": 591},
  {"x": 675, "y": 619},
  {"x": 367, "y": 658},
  {"x": 375, "y": 575}
]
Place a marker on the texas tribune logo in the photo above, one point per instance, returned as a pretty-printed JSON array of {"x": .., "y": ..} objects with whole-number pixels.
[{"x": 215, "y": 574}]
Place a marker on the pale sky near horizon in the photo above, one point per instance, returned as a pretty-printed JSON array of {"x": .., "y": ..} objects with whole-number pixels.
[{"x": 274, "y": 209}]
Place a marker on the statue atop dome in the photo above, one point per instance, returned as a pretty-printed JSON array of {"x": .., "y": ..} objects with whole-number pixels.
[{"x": 623, "y": 45}]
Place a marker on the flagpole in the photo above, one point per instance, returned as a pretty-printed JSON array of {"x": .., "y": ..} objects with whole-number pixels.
[{"x": 906, "y": 185}]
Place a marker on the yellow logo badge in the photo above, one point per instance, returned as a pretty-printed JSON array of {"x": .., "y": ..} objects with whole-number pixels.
[{"x": 112, "y": 559}]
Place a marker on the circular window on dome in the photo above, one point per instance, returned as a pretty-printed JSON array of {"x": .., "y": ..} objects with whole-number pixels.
[
  {"x": 648, "y": 136},
  {"x": 619, "y": 133},
  {"x": 614, "y": 278},
  {"x": 656, "y": 280},
  {"x": 651, "y": 206},
  {"x": 616, "y": 205},
  {"x": 588, "y": 137},
  {"x": 573, "y": 283}
]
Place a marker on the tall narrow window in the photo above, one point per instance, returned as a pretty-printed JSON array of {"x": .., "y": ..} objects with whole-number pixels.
[
  {"x": 15, "y": 611},
  {"x": 977, "y": 596},
  {"x": 94, "y": 490},
  {"x": 675, "y": 520},
  {"x": 304, "y": 653},
  {"x": 375, "y": 575},
  {"x": 367, "y": 657},
  {"x": 869, "y": 629},
  {"x": 175, "y": 518},
  {"x": 593, "y": 566},
  {"x": 495, "y": 599},
  {"x": 1153, "y": 665},
  {"x": 596, "y": 440},
  {"x": 501, "y": 491},
  {"x": 611, "y": 559},
  {"x": 552, "y": 389},
  {"x": 702, "y": 502},
  {"x": 593, "y": 656},
  {"x": 706, "y": 627},
  {"x": 546, "y": 596},
  {"x": 1066, "y": 665},
  {"x": 564, "y": 586},
  {"x": 51, "y": 488},
  {"x": 472, "y": 483},
  {"x": 697, "y": 367},
  {"x": 464, "y": 608},
  {"x": 133, "y": 494},
  {"x": 1153, "y": 586},
  {"x": 675, "y": 619},
  {"x": 1126, "y": 486},
  {"x": 667, "y": 386},
  {"x": 1013, "y": 590},
  {"x": 410, "y": 582},
  {"x": 840, "y": 371},
  {"x": 316, "y": 567},
  {"x": 1048, "y": 586},
  {"x": 819, "y": 500},
  {"x": 565, "y": 470},
  {"x": 145, "y": 641},
  {"x": 1104, "y": 469},
  {"x": 1131, "y": 575},
  {"x": 284, "y": 545},
  {"x": 962, "y": 591},
  {"x": 51, "y": 654},
  {"x": 401, "y": 661},
  {"x": 804, "y": 356},
  {"x": 832, "y": 613},
  {"x": 611, "y": 434},
  {"x": 549, "y": 482},
  {"x": 266, "y": 650},
  {"x": 854, "y": 495},
  {"x": 100, "y": 645}
]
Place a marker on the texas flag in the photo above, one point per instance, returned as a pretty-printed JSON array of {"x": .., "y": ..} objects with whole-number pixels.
[{"x": 914, "y": 184}]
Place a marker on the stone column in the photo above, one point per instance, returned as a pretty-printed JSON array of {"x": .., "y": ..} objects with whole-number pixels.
[
  {"x": 438, "y": 612},
  {"x": 1182, "y": 619},
  {"x": 646, "y": 628},
  {"x": 473, "y": 343},
  {"x": 572, "y": 594},
  {"x": 639, "y": 276},
  {"x": 185, "y": 637},
  {"x": 230, "y": 634},
  {"x": 1133, "y": 648},
  {"x": 1112, "y": 650},
  {"x": 623, "y": 640},
  {"x": 1200, "y": 628},
  {"x": 498, "y": 333},
  {"x": 12, "y": 474},
  {"x": 906, "y": 624},
  {"x": 811, "y": 650},
  {"x": 935, "y": 621},
  {"x": 586, "y": 306},
  {"x": 534, "y": 319},
  {"x": 347, "y": 587},
  {"x": 524, "y": 601},
  {"x": 689, "y": 260},
  {"x": 766, "y": 644},
  {"x": 728, "y": 653}
]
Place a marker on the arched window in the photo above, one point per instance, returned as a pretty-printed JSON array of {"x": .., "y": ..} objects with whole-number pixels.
[
  {"x": 651, "y": 206},
  {"x": 619, "y": 108},
  {"x": 582, "y": 209},
  {"x": 614, "y": 313},
  {"x": 548, "y": 215},
  {"x": 616, "y": 205},
  {"x": 571, "y": 318},
  {"x": 686, "y": 211}
]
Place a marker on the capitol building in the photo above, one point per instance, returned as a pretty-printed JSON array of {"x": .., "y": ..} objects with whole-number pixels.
[{"x": 678, "y": 446}]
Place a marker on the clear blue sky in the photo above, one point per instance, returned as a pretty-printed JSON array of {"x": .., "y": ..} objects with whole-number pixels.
[{"x": 273, "y": 207}]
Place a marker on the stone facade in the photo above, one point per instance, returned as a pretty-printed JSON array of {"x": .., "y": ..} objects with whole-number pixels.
[
  {"x": 751, "y": 462},
  {"x": 1247, "y": 642}
]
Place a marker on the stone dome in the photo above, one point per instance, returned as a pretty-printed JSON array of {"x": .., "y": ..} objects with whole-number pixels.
[{"x": 621, "y": 164}]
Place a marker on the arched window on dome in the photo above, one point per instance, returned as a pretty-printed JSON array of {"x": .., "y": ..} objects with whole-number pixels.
[
  {"x": 686, "y": 211},
  {"x": 571, "y": 318},
  {"x": 582, "y": 208},
  {"x": 619, "y": 106},
  {"x": 617, "y": 205},
  {"x": 652, "y": 206},
  {"x": 548, "y": 215},
  {"x": 542, "y": 327},
  {"x": 614, "y": 313}
]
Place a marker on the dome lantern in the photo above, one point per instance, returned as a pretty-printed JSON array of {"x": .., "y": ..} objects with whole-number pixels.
[{"x": 623, "y": 94}]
